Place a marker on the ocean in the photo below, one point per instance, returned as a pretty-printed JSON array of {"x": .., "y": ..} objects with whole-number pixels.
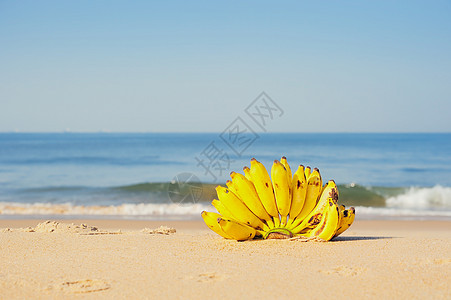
[{"x": 156, "y": 176}]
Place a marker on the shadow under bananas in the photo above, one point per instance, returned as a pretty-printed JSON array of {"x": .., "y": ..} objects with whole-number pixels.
[
  {"x": 334, "y": 240},
  {"x": 360, "y": 238}
]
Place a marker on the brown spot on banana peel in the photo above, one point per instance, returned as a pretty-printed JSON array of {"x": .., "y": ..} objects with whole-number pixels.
[
  {"x": 315, "y": 219},
  {"x": 298, "y": 184},
  {"x": 333, "y": 194},
  {"x": 345, "y": 213},
  {"x": 320, "y": 229}
]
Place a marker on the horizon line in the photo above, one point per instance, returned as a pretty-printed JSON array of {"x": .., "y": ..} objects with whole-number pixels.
[{"x": 219, "y": 132}]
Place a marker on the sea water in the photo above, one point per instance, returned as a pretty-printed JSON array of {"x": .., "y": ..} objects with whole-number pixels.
[{"x": 173, "y": 175}]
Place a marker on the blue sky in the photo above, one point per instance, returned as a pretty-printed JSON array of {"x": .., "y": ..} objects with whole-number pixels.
[{"x": 194, "y": 66}]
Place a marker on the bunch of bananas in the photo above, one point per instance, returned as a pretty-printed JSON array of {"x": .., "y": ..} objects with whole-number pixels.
[{"x": 289, "y": 206}]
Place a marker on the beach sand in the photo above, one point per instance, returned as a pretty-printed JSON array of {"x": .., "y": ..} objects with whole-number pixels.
[{"x": 118, "y": 260}]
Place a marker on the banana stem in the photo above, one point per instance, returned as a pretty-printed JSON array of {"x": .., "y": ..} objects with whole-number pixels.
[{"x": 283, "y": 231}]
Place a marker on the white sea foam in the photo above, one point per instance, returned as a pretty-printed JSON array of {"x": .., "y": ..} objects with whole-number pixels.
[
  {"x": 145, "y": 210},
  {"x": 422, "y": 198},
  {"x": 187, "y": 211},
  {"x": 364, "y": 212}
]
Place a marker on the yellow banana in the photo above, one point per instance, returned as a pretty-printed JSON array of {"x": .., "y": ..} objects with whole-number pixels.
[
  {"x": 230, "y": 186},
  {"x": 245, "y": 190},
  {"x": 239, "y": 211},
  {"x": 211, "y": 219},
  {"x": 308, "y": 171},
  {"x": 263, "y": 185},
  {"x": 247, "y": 174},
  {"x": 311, "y": 198},
  {"x": 342, "y": 209},
  {"x": 320, "y": 178},
  {"x": 320, "y": 224},
  {"x": 284, "y": 162},
  {"x": 329, "y": 191},
  {"x": 281, "y": 190},
  {"x": 238, "y": 231},
  {"x": 328, "y": 226},
  {"x": 299, "y": 191},
  {"x": 222, "y": 210},
  {"x": 346, "y": 221}
]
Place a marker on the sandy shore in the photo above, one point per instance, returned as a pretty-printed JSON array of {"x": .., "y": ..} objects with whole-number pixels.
[{"x": 373, "y": 259}]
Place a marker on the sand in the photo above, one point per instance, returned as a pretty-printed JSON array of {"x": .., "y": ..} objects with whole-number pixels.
[{"x": 106, "y": 259}]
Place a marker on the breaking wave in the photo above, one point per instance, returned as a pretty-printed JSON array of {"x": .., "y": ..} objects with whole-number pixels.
[{"x": 422, "y": 198}]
